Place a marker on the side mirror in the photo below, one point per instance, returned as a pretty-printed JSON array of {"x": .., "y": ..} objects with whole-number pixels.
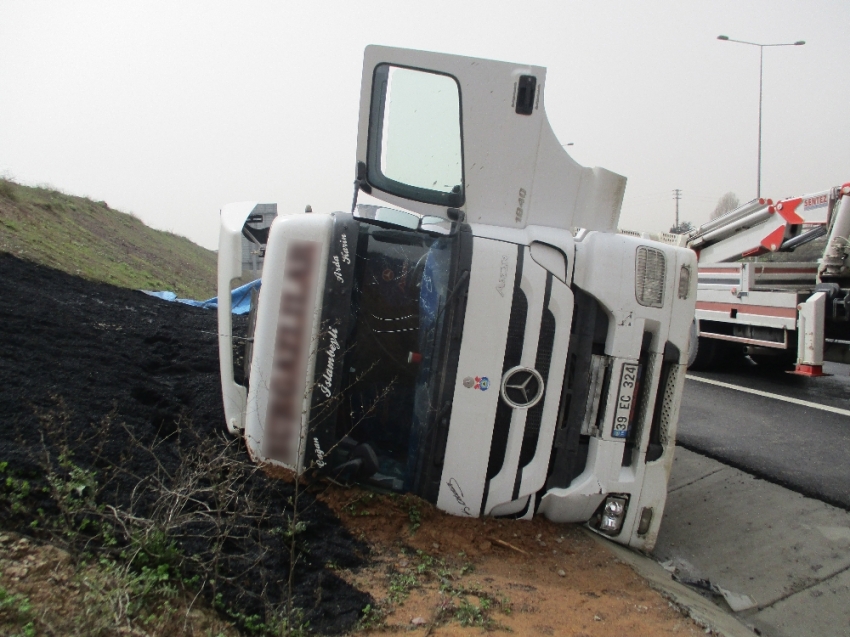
[
  {"x": 440, "y": 227},
  {"x": 392, "y": 219},
  {"x": 436, "y": 226},
  {"x": 386, "y": 217}
]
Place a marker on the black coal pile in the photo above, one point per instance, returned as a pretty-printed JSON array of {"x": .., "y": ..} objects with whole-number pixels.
[{"x": 111, "y": 396}]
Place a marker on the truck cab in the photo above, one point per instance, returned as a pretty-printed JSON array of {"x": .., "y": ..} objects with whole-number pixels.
[{"x": 477, "y": 333}]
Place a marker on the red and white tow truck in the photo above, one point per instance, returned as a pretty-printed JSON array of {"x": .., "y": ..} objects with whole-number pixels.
[{"x": 753, "y": 299}]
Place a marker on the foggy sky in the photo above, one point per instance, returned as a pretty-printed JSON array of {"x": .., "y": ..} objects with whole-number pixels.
[{"x": 169, "y": 110}]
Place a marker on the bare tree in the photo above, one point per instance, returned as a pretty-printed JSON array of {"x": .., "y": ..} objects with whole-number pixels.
[
  {"x": 726, "y": 203},
  {"x": 683, "y": 228}
]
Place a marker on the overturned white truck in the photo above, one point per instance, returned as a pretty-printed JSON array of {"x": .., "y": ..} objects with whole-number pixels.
[{"x": 486, "y": 339}]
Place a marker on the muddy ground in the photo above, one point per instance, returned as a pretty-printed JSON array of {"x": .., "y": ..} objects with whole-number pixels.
[
  {"x": 107, "y": 382},
  {"x": 451, "y": 576}
]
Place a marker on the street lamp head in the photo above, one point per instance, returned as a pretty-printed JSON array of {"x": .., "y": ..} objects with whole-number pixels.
[
  {"x": 722, "y": 37},
  {"x": 799, "y": 42}
]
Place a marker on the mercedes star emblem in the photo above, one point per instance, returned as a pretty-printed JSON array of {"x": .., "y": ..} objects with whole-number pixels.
[{"x": 522, "y": 387}]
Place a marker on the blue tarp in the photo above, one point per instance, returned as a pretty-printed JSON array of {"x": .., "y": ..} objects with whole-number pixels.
[
  {"x": 165, "y": 296},
  {"x": 240, "y": 298}
]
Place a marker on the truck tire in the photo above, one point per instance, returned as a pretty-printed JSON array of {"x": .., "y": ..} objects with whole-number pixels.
[
  {"x": 714, "y": 354},
  {"x": 693, "y": 343},
  {"x": 704, "y": 354},
  {"x": 711, "y": 353}
]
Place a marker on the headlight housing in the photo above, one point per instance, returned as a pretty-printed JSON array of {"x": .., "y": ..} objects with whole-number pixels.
[
  {"x": 650, "y": 274},
  {"x": 610, "y": 516}
]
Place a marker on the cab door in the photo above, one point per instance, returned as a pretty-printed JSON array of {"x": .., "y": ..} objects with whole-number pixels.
[{"x": 441, "y": 131}]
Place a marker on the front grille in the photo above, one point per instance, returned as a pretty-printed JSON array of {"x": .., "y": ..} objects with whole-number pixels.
[
  {"x": 588, "y": 334},
  {"x": 649, "y": 364},
  {"x": 513, "y": 355},
  {"x": 535, "y": 414}
]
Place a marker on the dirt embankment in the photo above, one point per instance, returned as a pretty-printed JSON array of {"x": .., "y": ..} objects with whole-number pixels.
[
  {"x": 111, "y": 398},
  {"x": 114, "y": 397},
  {"x": 92, "y": 240}
]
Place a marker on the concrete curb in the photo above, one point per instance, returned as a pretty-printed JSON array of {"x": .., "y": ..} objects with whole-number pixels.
[{"x": 697, "y": 607}]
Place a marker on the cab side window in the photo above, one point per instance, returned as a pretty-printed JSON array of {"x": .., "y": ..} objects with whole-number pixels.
[{"x": 415, "y": 147}]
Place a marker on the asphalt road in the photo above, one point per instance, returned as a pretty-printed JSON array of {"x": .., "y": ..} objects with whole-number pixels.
[{"x": 804, "y": 447}]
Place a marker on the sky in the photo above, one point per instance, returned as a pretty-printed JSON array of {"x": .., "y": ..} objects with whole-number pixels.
[{"x": 171, "y": 109}]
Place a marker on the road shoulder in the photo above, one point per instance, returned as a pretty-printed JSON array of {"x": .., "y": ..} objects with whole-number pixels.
[
  {"x": 789, "y": 554},
  {"x": 701, "y": 610}
]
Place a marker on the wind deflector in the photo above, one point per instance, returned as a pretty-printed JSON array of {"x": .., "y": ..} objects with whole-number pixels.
[{"x": 512, "y": 170}]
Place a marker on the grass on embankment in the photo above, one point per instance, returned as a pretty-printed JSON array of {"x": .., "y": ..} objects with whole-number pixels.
[{"x": 88, "y": 239}]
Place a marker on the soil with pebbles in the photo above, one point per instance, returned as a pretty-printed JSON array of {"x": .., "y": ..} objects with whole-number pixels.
[{"x": 126, "y": 380}]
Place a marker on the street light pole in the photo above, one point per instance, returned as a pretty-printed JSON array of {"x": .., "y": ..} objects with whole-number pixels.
[
  {"x": 761, "y": 77},
  {"x": 726, "y": 38}
]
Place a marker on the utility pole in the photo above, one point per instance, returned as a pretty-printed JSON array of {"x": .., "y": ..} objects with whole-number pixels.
[{"x": 677, "y": 194}]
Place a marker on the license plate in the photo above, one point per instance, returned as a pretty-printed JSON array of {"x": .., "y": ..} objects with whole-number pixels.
[{"x": 625, "y": 400}]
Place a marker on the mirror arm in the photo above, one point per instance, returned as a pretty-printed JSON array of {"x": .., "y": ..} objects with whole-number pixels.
[
  {"x": 356, "y": 192},
  {"x": 360, "y": 183},
  {"x": 456, "y": 215}
]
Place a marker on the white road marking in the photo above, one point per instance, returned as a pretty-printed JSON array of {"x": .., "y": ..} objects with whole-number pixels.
[{"x": 787, "y": 399}]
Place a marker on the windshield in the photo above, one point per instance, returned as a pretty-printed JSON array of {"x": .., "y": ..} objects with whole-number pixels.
[{"x": 400, "y": 289}]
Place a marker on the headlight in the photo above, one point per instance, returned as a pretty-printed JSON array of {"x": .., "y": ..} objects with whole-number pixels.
[
  {"x": 610, "y": 518},
  {"x": 650, "y": 273}
]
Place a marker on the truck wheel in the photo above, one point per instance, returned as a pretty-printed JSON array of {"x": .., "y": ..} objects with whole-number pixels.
[
  {"x": 727, "y": 355},
  {"x": 711, "y": 353},
  {"x": 704, "y": 354},
  {"x": 693, "y": 343}
]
